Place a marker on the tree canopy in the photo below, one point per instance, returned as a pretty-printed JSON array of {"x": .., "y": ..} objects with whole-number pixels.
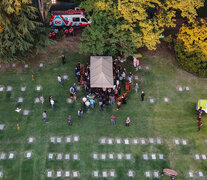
[
  {"x": 20, "y": 30},
  {"x": 122, "y": 26}
]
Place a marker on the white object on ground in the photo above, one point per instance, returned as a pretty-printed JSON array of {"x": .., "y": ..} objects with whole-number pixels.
[
  {"x": 145, "y": 156},
  {"x": 1, "y": 127},
  {"x": 38, "y": 88},
  {"x": 67, "y": 156},
  {"x": 131, "y": 173},
  {"x": 49, "y": 173},
  {"x": 152, "y": 101},
  {"x": 37, "y": 100},
  {"x": 161, "y": 156},
  {"x": 156, "y": 174},
  {"x": 59, "y": 139},
  {"x": 75, "y": 156},
  {"x": 128, "y": 156},
  {"x": 177, "y": 141},
  {"x": 103, "y": 141},
  {"x": 166, "y": 99},
  {"x": 147, "y": 174},
  {"x": 75, "y": 138},
  {"x": 68, "y": 139},
  {"x": 67, "y": 173},
  {"x": 50, "y": 156},
  {"x": 59, "y": 156},
  {"x": 197, "y": 156},
  {"x": 29, "y": 154},
  {"x": 200, "y": 174},
  {"x": 75, "y": 173},
  {"x": 52, "y": 139},
  {"x": 112, "y": 173},
  {"x": 111, "y": 156},
  {"x": 95, "y": 156},
  {"x": 23, "y": 88},
  {"x": 110, "y": 141},
  {"x": 26, "y": 112},
  {"x": 11, "y": 155},
  {"x": 119, "y": 156},
  {"x": 65, "y": 77},
  {"x": 9, "y": 88},
  {"x": 59, "y": 173},
  {"x": 203, "y": 156},
  {"x": 20, "y": 100},
  {"x": 41, "y": 65},
  {"x": 3, "y": 156},
  {"x": 191, "y": 174},
  {"x": 151, "y": 140},
  {"x": 118, "y": 141},
  {"x": 104, "y": 173},
  {"x": 103, "y": 156},
  {"x": 26, "y": 66},
  {"x": 154, "y": 156},
  {"x": 126, "y": 141},
  {"x": 143, "y": 141},
  {"x": 95, "y": 173}
]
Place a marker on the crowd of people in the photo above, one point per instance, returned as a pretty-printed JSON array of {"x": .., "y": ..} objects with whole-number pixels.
[
  {"x": 101, "y": 97},
  {"x": 67, "y": 31}
]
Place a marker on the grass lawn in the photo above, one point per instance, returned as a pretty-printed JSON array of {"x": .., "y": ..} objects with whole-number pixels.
[{"x": 167, "y": 121}]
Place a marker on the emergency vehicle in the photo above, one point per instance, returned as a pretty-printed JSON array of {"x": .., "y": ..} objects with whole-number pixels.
[{"x": 69, "y": 18}]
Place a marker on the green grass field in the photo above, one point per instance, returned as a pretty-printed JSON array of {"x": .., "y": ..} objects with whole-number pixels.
[{"x": 167, "y": 121}]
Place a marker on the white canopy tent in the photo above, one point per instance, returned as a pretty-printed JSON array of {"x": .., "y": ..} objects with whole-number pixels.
[{"x": 101, "y": 72}]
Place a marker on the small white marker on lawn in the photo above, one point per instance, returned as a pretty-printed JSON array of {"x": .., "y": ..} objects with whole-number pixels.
[
  {"x": 20, "y": 100},
  {"x": 59, "y": 156},
  {"x": 49, "y": 173},
  {"x": 200, "y": 174},
  {"x": 154, "y": 156},
  {"x": 166, "y": 99},
  {"x": 177, "y": 141},
  {"x": 118, "y": 141},
  {"x": 147, "y": 67},
  {"x": 67, "y": 173},
  {"x": 143, "y": 141},
  {"x": 131, "y": 173},
  {"x": 145, "y": 156},
  {"x": 112, "y": 173},
  {"x": 135, "y": 141},
  {"x": 3, "y": 156},
  {"x": 13, "y": 65},
  {"x": 184, "y": 142},
  {"x": 95, "y": 173},
  {"x": 110, "y": 141},
  {"x": 38, "y": 88},
  {"x": 136, "y": 77},
  {"x": 11, "y": 155},
  {"x": 68, "y": 139},
  {"x": 151, "y": 140},
  {"x": 75, "y": 173},
  {"x": 75, "y": 156},
  {"x": 159, "y": 141},
  {"x": 9, "y": 88},
  {"x": 126, "y": 141},
  {"x": 111, "y": 156},
  {"x": 28, "y": 154},
  {"x": 180, "y": 89},
  {"x": 156, "y": 174},
  {"x": 1, "y": 127},
  {"x": 95, "y": 156},
  {"x": 191, "y": 174},
  {"x": 26, "y": 112},
  {"x": 69, "y": 100},
  {"x": 26, "y": 66},
  {"x": 52, "y": 139},
  {"x": 76, "y": 138},
  {"x": 23, "y": 88},
  {"x": 147, "y": 174},
  {"x": 78, "y": 88},
  {"x": 140, "y": 67},
  {"x": 50, "y": 156},
  {"x": 197, "y": 157},
  {"x": 67, "y": 156},
  {"x": 104, "y": 173},
  {"x": 1, "y": 88},
  {"x": 128, "y": 156},
  {"x": 103, "y": 156},
  {"x": 203, "y": 156},
  {"x": 65, "y": 77},
  {"x": 119, "y": 156},
  {"x": 37, "y": 100},
  {"x": 103, "y": 141},
  {"x": 160, "y": 156},
  {"x": 30, "y": 140},
  {"x": 41, "y": 65},
  {"x": 152, "y": 100},
  {"x": 59, "y": 173},
  {"x": 187, "y": 88},
  {"x": 59, "y": 139}
]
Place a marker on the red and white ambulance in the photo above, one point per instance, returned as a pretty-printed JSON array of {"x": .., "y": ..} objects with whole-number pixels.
[{"x": 75, "y": 18}]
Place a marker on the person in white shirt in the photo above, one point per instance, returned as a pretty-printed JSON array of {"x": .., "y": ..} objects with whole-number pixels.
[
  {"x": 60, "y": 80},
  {"x": 52, "y": 102}
]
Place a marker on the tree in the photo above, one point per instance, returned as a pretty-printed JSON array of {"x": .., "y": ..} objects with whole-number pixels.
[
  {"x": 20, "y": 30},
  {"x": 191, "y": 46},
  {"x": 142, "y": 21},
  {"x": 194, "y": 36}
]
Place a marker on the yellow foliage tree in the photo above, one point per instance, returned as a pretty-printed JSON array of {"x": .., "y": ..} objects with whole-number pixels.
[{"x": 194, "y": 36}]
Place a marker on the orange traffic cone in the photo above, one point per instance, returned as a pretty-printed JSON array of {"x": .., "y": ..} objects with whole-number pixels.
[{"x": 33, "y": 77}]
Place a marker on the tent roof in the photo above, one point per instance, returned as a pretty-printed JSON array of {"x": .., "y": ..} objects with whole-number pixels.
[{"x": 101, "y": 72}]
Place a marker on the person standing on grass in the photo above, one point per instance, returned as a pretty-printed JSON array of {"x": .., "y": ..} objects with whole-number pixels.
[
  {"x": 44, "y": 115},
  {"x": 136, "y": 87},
  {"x": 60, "y": 80},
  {"x": 87, "y": 103},
  {"x": 199, "y": 124},
  {"x": 80, "y": 113},
  {"x": 127, "y": 121},
  {"x": 92, "y": 101},
  {"x": 113, "y": 120},
  {"x": 50, "y": 97},
  {"x": 142, "y": 96},
  {"x": 42, "y": 99},
  {"x": 52, "y": 102},
  {"x": 63, "y": 59},
  {"x": 69, "y": 120}
]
